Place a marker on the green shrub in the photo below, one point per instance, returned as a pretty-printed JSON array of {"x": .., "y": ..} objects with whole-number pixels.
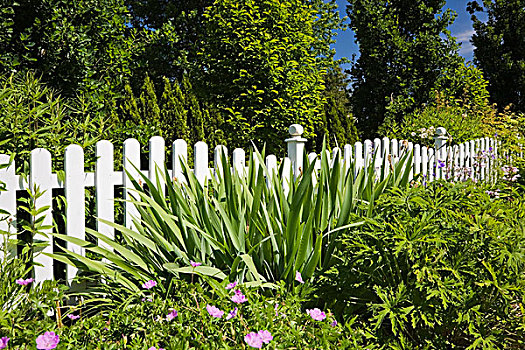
[{"x": 439, "y": 267}]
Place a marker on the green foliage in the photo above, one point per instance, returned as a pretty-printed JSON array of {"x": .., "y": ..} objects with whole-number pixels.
[
  {"x": 499, "y": 49},
  {"x": 73, "y": 45},
  {"x": 175, "y": 113},
  {"x": 405, "y": 50},
  {"x": 337, "y": 125},
  {"x": 32, "y": 115},
  {"x": 439, "y": 267},
  {"x": 263, "y": 62}
]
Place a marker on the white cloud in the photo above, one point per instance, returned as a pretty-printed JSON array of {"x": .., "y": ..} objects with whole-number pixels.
[
  {"x": 464, "y": 36},
  {"x": 466, "y": 46}
]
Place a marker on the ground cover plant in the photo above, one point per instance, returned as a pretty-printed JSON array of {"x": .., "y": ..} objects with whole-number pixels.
[{"x": 437, "y": 267}]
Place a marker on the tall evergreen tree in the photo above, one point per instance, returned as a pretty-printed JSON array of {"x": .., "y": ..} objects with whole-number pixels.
[
  {"x": 405, "y": 49},
  {"x": 499, "y": 51},
  {"x": 338, "y": 122}
]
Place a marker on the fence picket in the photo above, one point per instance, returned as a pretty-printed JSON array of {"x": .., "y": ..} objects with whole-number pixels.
[
  {"x": 358, "y": 157},
  {"x": 179, "y": 156},
  {"x": 40, "y": 179},
  {"x": 157, "y": 162},
  {"x": 131, "y": 160},
  {"x": 200, "y": 151},
  {"x": 271, "y": 166},
  {"x": 347, "y": 157},
  {"x": 75, "y": 199},
  {"x": 239, "y": 161},
  {"x": 105, "y": 191}
]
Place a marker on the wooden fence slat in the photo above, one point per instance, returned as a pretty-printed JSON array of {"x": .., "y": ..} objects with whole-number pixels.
[
  {"x": 358, "y": 157},
  {"x": 105, "y": 191},
  {"x": 217, "y": 159},
  {"x": 8, "y": 203},
  {"x": 178, "y": 156},
  {"x": 424, "y": 163},
  {"x": 75, "y": 199},
  {"x": 40, "y": 179},
  {"x": 387, "y": 158},
  {"x": 368, "y": 149},
  {"x": 131, "y": 160},
  {"x": 157, "y": 162},
  {"x": 417, "y": 160},
  {"x": 286, "y": 175},
  {"x": 271, "y": 166},
  {"x": 431, "y": 170},
  {"x": 200, "y": 152},
  {"x": 239, "y": 161},
  {"x": 347, "y": 157}
]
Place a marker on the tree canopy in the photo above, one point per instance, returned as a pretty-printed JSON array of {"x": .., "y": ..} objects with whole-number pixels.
[
  {"x": 405, "y": 49},
  {"x": 499, "y": 51}
]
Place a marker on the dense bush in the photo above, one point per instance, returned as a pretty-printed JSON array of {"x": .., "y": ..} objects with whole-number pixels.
[{"x": 438, "y": 267}]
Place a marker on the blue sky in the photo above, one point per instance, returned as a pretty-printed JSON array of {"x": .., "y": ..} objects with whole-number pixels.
[{"x": 461, "y": 29}]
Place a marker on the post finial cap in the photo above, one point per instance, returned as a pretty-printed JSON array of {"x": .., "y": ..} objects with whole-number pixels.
[
  {"x": 296, "y": 130},
  {"x": 441, "y": 131}
]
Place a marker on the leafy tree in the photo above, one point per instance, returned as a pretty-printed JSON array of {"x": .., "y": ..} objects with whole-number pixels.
[
  {"x": 74, "y": 45},
  {"x": 500, "y": 49},
  {"x": 405, "y": 49},
  {"x": 338, "y": 123},
  {"x": 264, "y": 63}
]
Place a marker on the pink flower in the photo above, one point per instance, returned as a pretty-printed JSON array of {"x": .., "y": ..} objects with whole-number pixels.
[
  {"x": 254, "y": 340},
  {"x": 3, "y": 342},
  {"x": 333, "y": 324},
  {"x": 150, "y": 284},
  {"x": 239, "y": 297},
  {"x": 232, "y": 314},
  {"x": 298, "y": 277},
  {"x": 231, "y": 285},
  {"x": 23, "y": 282},
  {"x": 265, "y": 336},
  {"x": 154, "y": 348},
  {"x": 172, "y": 315},
  {"x": 73, "y": 317},
  {"x": 316, "y": 314},
  {"x": 195, "y": 264},
  {"x": 214, "y": 312},
  {"x": 47, "y": 341}
]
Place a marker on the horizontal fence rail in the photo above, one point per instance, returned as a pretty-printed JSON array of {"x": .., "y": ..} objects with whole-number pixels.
[{"x": 474, "y": 159}]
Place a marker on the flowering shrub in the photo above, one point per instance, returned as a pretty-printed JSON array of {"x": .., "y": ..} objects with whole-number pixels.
[{"x": 190, "y": 318}]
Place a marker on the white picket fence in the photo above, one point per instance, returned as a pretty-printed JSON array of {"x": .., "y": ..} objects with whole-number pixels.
[{"x": 473, "y": 159}]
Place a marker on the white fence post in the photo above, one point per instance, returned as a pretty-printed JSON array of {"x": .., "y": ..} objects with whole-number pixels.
[
  {"x": 40, "y": 178},
  {"x": 296, "y": 148},
  {"x": 239, "y": 161}
]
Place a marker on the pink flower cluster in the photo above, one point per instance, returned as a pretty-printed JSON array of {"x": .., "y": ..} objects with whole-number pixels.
[
  {"x": 172, "y": 315},
  {"x": 47, "y": 341},
  {"x": 316, "y": 314},
  {"x": 3, "y": 342},
  {"x": 239, "y": 297},
  {"x": 24, "y": 282},
  {"x": 148, "y": 285},
  {"x": 256, "y": 340}
]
